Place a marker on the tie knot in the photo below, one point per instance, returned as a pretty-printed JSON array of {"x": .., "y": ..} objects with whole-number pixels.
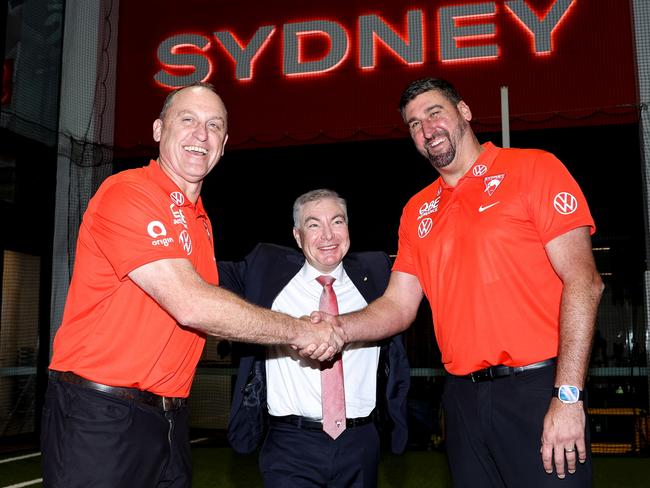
[{"x": 325, "y": 280}]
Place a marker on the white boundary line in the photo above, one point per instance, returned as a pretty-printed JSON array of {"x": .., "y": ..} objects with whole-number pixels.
[
  {"x": 200, "y": 439},
  {"x": 18, "y": 458},
  {"x": 26, "y": 483}
]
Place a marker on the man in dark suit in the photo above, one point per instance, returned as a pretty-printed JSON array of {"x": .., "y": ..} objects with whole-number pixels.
[{"x": 277, "y": 396}]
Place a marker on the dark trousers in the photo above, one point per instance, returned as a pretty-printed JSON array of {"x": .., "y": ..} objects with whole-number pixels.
[
  {"x": 89, "y": 438},
  {"x": 298, "y": 458},
  {"x": 494, "y": 430}
]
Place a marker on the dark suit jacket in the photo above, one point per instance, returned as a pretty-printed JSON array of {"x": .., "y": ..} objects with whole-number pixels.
[{"x": 259, "y": 279}]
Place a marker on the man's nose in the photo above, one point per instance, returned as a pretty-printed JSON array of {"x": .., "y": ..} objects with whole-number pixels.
[
  {"x": 428, "y": 128},
  {"x": 327, "y": 232},
  {"x": 200, "y": 132}
]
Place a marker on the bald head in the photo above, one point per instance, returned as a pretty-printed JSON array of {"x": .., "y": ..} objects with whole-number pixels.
[{"x": 198, "y": 85}]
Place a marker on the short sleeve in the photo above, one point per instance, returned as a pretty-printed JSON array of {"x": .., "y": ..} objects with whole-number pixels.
[
  {"x": 556, "y": 202},
  {"x": 132, "y": 227}
]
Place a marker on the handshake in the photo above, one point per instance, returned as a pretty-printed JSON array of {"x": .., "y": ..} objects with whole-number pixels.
[{"x": 321, "y": 337}]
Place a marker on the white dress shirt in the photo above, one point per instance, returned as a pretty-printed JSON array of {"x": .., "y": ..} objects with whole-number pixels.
[{"x": 293, "y": 382}]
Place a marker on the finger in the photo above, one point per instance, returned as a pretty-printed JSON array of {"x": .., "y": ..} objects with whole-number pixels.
[
  {"x": 330, "y": 352},
  {"x": 341, "y": 333},
  {"x": 306, "y": 352},
  {"x": 547, "y": 457},
  {"x": 571, "y": 456},
  {"x": 337, "y": 342},
  {"x": 319, "y": 352},
  {"x": 316, "y": 317},
  {"x": 581, "y": 450},
  {"x": 558, "y": 456}
]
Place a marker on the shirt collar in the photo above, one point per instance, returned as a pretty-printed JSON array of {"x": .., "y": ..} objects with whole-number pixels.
[
  {"x": 478, "y": 170},
  {"x": 176, "y": 195},
  {"x": 484, "y": 161},
  {"x": 309, "y": 273}
]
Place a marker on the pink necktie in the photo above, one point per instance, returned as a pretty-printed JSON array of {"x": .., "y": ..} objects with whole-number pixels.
[{"x": 331, "y": 374}]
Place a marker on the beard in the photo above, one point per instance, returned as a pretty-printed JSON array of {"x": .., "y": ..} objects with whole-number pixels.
[{"x": 442, "y": 159}]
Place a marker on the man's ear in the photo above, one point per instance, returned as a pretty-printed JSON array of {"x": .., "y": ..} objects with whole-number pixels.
[
  {"x": 296, "y": 236},
  {"x": 157, "y": 129},
  {"x": 223, "y": 146},
  {"x": 464, "y": 111}
]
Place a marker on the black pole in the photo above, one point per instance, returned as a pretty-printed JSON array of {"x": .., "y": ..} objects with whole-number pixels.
[{"x": 4, "y": 6}]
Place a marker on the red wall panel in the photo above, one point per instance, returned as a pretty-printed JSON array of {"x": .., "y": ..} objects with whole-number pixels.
[{"x": 566, "y": 62}]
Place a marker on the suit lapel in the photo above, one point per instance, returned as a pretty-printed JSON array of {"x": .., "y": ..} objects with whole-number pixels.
[
  {"x": 280, "y": 273},
  {"x": 361, "y": 279}
]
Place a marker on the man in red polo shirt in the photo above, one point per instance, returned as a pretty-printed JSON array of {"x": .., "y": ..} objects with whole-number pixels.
[
  {"x": 500, "y": 245},
  {"x": 143, "y": 297}
]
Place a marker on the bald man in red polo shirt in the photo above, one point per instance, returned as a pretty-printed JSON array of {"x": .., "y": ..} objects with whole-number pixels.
[
  {"x": 500, "y": 245},
  {"x": 142, "y": 299}
]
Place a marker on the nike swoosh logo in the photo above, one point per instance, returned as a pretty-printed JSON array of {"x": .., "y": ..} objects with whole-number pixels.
[{"x": 483, "y": 209}]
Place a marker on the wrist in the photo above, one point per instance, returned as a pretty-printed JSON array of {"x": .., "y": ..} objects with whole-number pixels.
[
  {"x": 293, "y": 332},
  {"x": 568, "y": 394}
]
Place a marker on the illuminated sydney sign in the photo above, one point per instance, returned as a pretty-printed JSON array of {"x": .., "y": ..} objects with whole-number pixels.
[
  {"x": 296, "y": 72},
  {"x": 460, "y": 33}
]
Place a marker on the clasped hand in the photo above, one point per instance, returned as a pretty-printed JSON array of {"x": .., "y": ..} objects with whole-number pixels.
[{"x": 322, "y": 337}]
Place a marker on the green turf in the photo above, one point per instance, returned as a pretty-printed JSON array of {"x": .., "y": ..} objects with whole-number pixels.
[
  {"x": 19, "y": 471},
  {"x": 223, "y": 468},
  {"x": 416, "y": 469},
  {"x": 621, "y": 472},
  {"x": 220, "y": 467}
]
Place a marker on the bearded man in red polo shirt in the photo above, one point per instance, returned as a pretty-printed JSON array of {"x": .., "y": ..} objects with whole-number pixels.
[{"x": 500, "y": 246}]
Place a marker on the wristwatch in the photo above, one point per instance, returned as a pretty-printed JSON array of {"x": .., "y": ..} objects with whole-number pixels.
[{"x": 568, "y": 393}]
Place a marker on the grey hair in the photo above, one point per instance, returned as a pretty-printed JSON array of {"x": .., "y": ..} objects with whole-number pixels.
[{"x": 314, "y": 196}]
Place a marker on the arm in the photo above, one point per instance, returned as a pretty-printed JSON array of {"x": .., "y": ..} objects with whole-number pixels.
[
  {"x": 390, "y": 314},
  {"x": 572, "y": 259},
  {"x": 177, "y": 287}
]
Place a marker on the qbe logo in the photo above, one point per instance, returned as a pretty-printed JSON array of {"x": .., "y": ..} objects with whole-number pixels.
[
  {"x": 157, "y": 230},
  {"x": 429, "y": 207},
  {"x": 179, "y": 216}
]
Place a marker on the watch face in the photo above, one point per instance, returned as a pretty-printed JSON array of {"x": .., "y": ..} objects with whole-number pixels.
[{"x": 568, "y": 394}]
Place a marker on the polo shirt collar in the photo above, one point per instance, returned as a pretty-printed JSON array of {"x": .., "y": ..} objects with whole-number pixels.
[
  {"x": 484, "y": 161},
  {"x": 480, "y": 167},
  {"x": 156, "y": 173}
]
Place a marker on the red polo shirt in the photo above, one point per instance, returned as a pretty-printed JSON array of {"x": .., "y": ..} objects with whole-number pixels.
[
  {"x": 112, "y": 331},
  {"x": 478, "y": 252}
]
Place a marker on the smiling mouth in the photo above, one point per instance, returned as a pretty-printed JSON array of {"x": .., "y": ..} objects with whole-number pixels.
[
  {"x": 435, "y": 143},
  {"x": 201, "y": 151}
]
